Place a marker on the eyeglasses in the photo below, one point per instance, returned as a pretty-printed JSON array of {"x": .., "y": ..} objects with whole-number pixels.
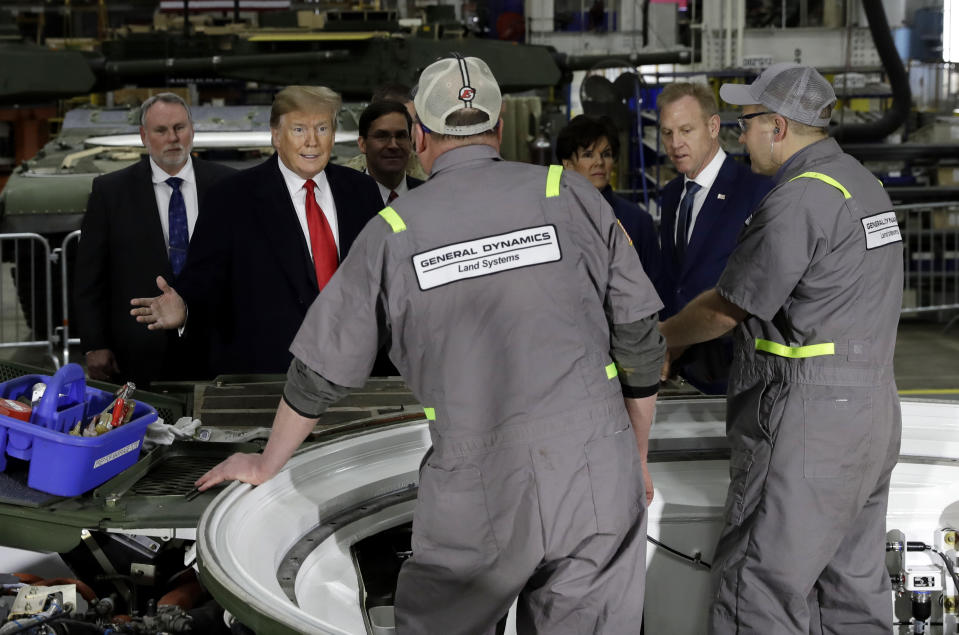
[
  {"x": 383, "y": 136},
  {"x": 741, "y": 120}
]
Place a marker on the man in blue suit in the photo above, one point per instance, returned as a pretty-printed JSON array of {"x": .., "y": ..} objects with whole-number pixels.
[{"x": 703, "y": 211}]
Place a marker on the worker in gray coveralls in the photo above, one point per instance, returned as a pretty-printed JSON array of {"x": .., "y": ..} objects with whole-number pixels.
[
  {"x": 520, "y": 316},
  {"x": 813, "y": 419}
]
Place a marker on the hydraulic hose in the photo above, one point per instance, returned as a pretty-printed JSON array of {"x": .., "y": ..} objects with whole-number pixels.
[{"x": 898, "y": 80}]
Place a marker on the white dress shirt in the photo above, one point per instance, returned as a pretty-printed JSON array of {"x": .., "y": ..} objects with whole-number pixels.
[
  {"x": 705, "y": 180},
  {"x": 163, "y": 192},
  {"x": 324, "y": 197},
  {"x": 400, "y": 189}
]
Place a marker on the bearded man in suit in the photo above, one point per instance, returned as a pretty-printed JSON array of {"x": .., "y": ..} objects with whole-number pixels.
[{"x": 138, "y": 223}]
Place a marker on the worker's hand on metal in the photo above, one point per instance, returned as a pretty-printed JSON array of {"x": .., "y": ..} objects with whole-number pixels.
[
  {"x": 102, "y": 365},
  {"x": 165, "y": 311},
  {"x": 667, "y": 362},
  {"x": 648, "y": 480},
  {"x": 246, "y": 468},
  {"x": 672, "y": 354}
]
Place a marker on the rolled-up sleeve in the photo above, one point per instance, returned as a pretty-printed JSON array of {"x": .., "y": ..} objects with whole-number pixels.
[
  {"x": 308, "y": 393},
  {"x": 638, "y": 349},
  {"x": 630, "y": 295}
]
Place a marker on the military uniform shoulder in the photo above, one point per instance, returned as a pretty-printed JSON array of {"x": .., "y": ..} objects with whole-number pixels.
[{"x": 357, "y": 162}]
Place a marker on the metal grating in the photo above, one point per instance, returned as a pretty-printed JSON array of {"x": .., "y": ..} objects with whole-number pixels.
[
  {"x": 169, "y": 415},
  {"x": 174, "y": 476},
  {"x": 12, "y": 370}
]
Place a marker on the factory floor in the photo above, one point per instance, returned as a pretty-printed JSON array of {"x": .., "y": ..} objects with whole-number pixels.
[{"x": 927, "y": 357}]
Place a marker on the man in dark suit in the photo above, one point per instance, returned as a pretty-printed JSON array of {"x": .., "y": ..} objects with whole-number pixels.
[
  {"x": 398, "y": 93},
  {"x": 270, "y": 240},
  {"x": 384, "y": 137},
  {"x": 138, "y": 222},
  {"x": 703, "y": 211}
]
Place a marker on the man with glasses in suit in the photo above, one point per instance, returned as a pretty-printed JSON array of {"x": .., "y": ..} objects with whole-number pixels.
[{"x": 385, "y": 140}]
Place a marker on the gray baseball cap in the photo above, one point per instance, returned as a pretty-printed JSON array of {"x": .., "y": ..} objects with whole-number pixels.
[
  {"x": 452, "y": 84},
  {"x": 796, "y": 92}
]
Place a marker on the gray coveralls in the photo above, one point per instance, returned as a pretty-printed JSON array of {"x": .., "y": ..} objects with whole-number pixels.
[
  {"x": 501, "y": 288},
  {"x": 813, "y": 414}
]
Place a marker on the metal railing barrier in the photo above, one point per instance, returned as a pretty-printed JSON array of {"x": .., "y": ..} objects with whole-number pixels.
[
  {"x": 930, "y": 234},
  {"x": 26, "y": 288}
]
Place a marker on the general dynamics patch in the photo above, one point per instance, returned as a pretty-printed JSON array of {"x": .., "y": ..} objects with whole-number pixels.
[
  {"x": 881, "y": 229},
  {"x": 485, "y": 256}
]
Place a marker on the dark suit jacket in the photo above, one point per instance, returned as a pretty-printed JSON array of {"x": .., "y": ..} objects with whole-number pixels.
[
  {"x": 411, "y": 182},
  {"x": 121, "y": 253},
  {"x": 734, "y": 195},
  {"x": 249, "y": 279},
  {"x": 641, "y": 229}
]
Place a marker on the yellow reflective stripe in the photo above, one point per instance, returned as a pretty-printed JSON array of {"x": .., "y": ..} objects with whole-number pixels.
[
  {"x": 552, "y": 180},
  {"x": 795, "y": 352},
  {"x": 611, "y": 371},
  {"x": 390, "y": 216},
  {"x": 825, "y": 179},
  {"x": 430, "y": 413}
]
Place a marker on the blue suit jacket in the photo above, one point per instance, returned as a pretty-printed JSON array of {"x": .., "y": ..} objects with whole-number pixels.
[{"x": 734, "y": 195}]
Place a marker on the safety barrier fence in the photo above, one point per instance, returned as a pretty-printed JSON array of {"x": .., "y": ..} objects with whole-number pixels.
[
  {"x": 35, "y": 292},
  {"x": 26, "y": 319},
  {"x": 930, "y": 234}
]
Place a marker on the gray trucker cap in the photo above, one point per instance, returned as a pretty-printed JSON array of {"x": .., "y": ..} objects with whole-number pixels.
[
  {"x": 796, "y": 92},
  {"x": 452, "y": 84}
]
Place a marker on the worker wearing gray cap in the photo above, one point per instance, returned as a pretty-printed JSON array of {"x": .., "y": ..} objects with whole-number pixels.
[
  {"x": 813, "y": 419},
  {"x": 520, "y": 316}
]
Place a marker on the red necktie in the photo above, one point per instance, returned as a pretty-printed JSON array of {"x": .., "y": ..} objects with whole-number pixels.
[
  {"x": 391, "y": 197},
  {"x": 321, "y": 238}
]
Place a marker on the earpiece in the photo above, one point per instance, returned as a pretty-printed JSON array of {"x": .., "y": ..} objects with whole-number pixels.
[{"x": 775, "y": 130}]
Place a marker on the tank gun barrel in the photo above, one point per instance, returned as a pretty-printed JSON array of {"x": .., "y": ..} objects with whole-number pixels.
[{"x": 176, "y": 65}]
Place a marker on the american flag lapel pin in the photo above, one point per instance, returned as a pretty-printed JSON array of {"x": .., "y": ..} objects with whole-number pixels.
[{"x": 721, "y": 197}]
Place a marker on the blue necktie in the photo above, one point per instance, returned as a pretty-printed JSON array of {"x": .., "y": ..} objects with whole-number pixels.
[
  {"x": 179, "y": 231},
  {"x": 682, "y": 220}
]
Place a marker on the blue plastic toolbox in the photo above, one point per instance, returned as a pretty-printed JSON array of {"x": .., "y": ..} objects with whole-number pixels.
[{"x": 60, "y": 463}]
